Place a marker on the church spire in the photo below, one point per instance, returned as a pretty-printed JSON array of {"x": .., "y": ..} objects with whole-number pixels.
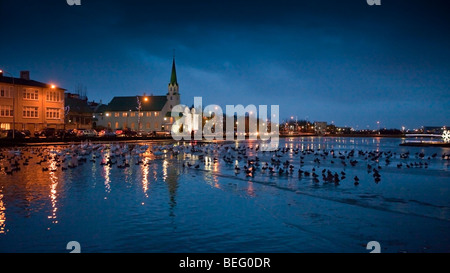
[{"x": 173, "y": 77}]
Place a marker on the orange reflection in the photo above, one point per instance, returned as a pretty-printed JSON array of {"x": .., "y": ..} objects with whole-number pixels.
[
  {"x": 107, "y": 169},
  {"x": 165, "y": 164},
  {"x": 216, "y": 182},
  {"x": 250, "y": 189},
  {"x": 145, "y": 172},
  {"x": 106, "y": 173},
  {"x": 53, "y": 192},
  {"x": 2, "y": 214}
]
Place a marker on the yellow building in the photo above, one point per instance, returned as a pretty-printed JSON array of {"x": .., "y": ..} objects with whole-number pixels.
[{"x": 29, "y": 105}]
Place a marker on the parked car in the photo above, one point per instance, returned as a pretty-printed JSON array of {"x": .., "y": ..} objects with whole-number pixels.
[
  {"x": 46, "y": 132},
  {"x": 106, "y": 133},
  {"x": 126, "y": 133},
  {"x": 9, "y": 134},
  {"x": 26, "y": 133},
  {"x": 86, "y": 133}
]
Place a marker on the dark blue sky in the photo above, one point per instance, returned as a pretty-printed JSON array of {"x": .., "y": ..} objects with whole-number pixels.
[{"x": 341, "y": 61}]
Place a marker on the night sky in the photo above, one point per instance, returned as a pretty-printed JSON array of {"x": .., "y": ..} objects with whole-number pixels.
[{"x": 340, "y": 61}]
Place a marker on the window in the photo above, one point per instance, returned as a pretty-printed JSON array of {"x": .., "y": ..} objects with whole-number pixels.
[
  {"x": 116, "y": 115},
  {"x": 6, "y": 111},
  {"x": 4, "y": 92},
  {"x": 132, "y": 114},
  {"x": 156, "y": 126},
  {"x": 5, "y": 126},
  {"x": 117, "y": 125},
  {"x": 141, "y": 114},
  {"x": 53, "y": 96},
  {"x": 30, "y": 112},
  {"x": 132, "y": 126},
  {"x": 52, "y": 113},
  {"x": 149, "y": 114},
  {"x": 124, "y": 114},
  {"x": 147, "y": 125},
  {"x": 156, "y": 114},
  {"x": 30, "y": 94}
]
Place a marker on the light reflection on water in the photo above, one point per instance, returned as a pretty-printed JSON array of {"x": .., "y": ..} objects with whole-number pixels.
[
  {"x": 2, "y": 213},
  {"x": 157, "y": 205}
]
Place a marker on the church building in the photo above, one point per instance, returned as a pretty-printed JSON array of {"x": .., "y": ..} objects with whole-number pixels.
[{"x": 141, "y": 113}]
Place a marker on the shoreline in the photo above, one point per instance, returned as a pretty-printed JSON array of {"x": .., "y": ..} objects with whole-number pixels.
[{"x": 57, "y": 141}]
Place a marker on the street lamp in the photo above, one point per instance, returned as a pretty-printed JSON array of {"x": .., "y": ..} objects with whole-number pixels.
[
  {"x": 139, "y": 108},
  {"x": 14, "y": 103}
]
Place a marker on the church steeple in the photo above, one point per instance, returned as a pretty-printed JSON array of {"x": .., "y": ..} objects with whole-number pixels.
[
  {"x": 173, "y": 77},
  {"x": 173, "y": 85}
]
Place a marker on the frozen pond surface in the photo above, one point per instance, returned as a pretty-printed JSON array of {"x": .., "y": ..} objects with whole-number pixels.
[{"x": 165, "y": 197}]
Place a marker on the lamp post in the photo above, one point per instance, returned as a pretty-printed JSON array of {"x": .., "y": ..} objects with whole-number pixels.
[
  {"x": 139, "y": 108},
  {"x": 14, "y": 103}
]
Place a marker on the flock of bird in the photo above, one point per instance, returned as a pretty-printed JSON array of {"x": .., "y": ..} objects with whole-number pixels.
[
  {"x": 328, "y": 166},
  {"x": 274, "y": 164}
]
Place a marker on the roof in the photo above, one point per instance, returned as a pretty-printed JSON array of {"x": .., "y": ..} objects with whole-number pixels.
[
  {"x": 20, "y": 81},
  {"x": 77, "y": 105},
  {"x": 173, "y": 76},
  {"x": 154, "y": 103},
  {"x": 101, "y": 108}
]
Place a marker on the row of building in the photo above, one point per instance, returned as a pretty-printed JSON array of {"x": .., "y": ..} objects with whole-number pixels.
[{"x": 26, "y": 104}]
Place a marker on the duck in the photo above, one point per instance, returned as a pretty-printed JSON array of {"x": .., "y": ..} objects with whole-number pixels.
[{"x": 356, "y": 181}]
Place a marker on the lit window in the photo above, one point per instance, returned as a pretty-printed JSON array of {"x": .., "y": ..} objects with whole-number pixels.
[
  {"x": 29, "y": 94},
  {"x": 5, "y": 126},
  {"x": 53, "y": 96},
  {"x": 6, "y": 111},
  {"x": 30, "y": 112},
  {"x": 52, "y": 113}
]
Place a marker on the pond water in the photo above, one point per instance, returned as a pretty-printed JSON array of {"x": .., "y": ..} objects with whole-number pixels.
[{"x": 174, "y": 197}]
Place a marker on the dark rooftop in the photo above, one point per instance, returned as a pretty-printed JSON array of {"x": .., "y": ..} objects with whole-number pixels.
[
  {"x": 154, "y": 103},
  {"x": 20, "y": 81},
  {"x": 77, "y": 105}
]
